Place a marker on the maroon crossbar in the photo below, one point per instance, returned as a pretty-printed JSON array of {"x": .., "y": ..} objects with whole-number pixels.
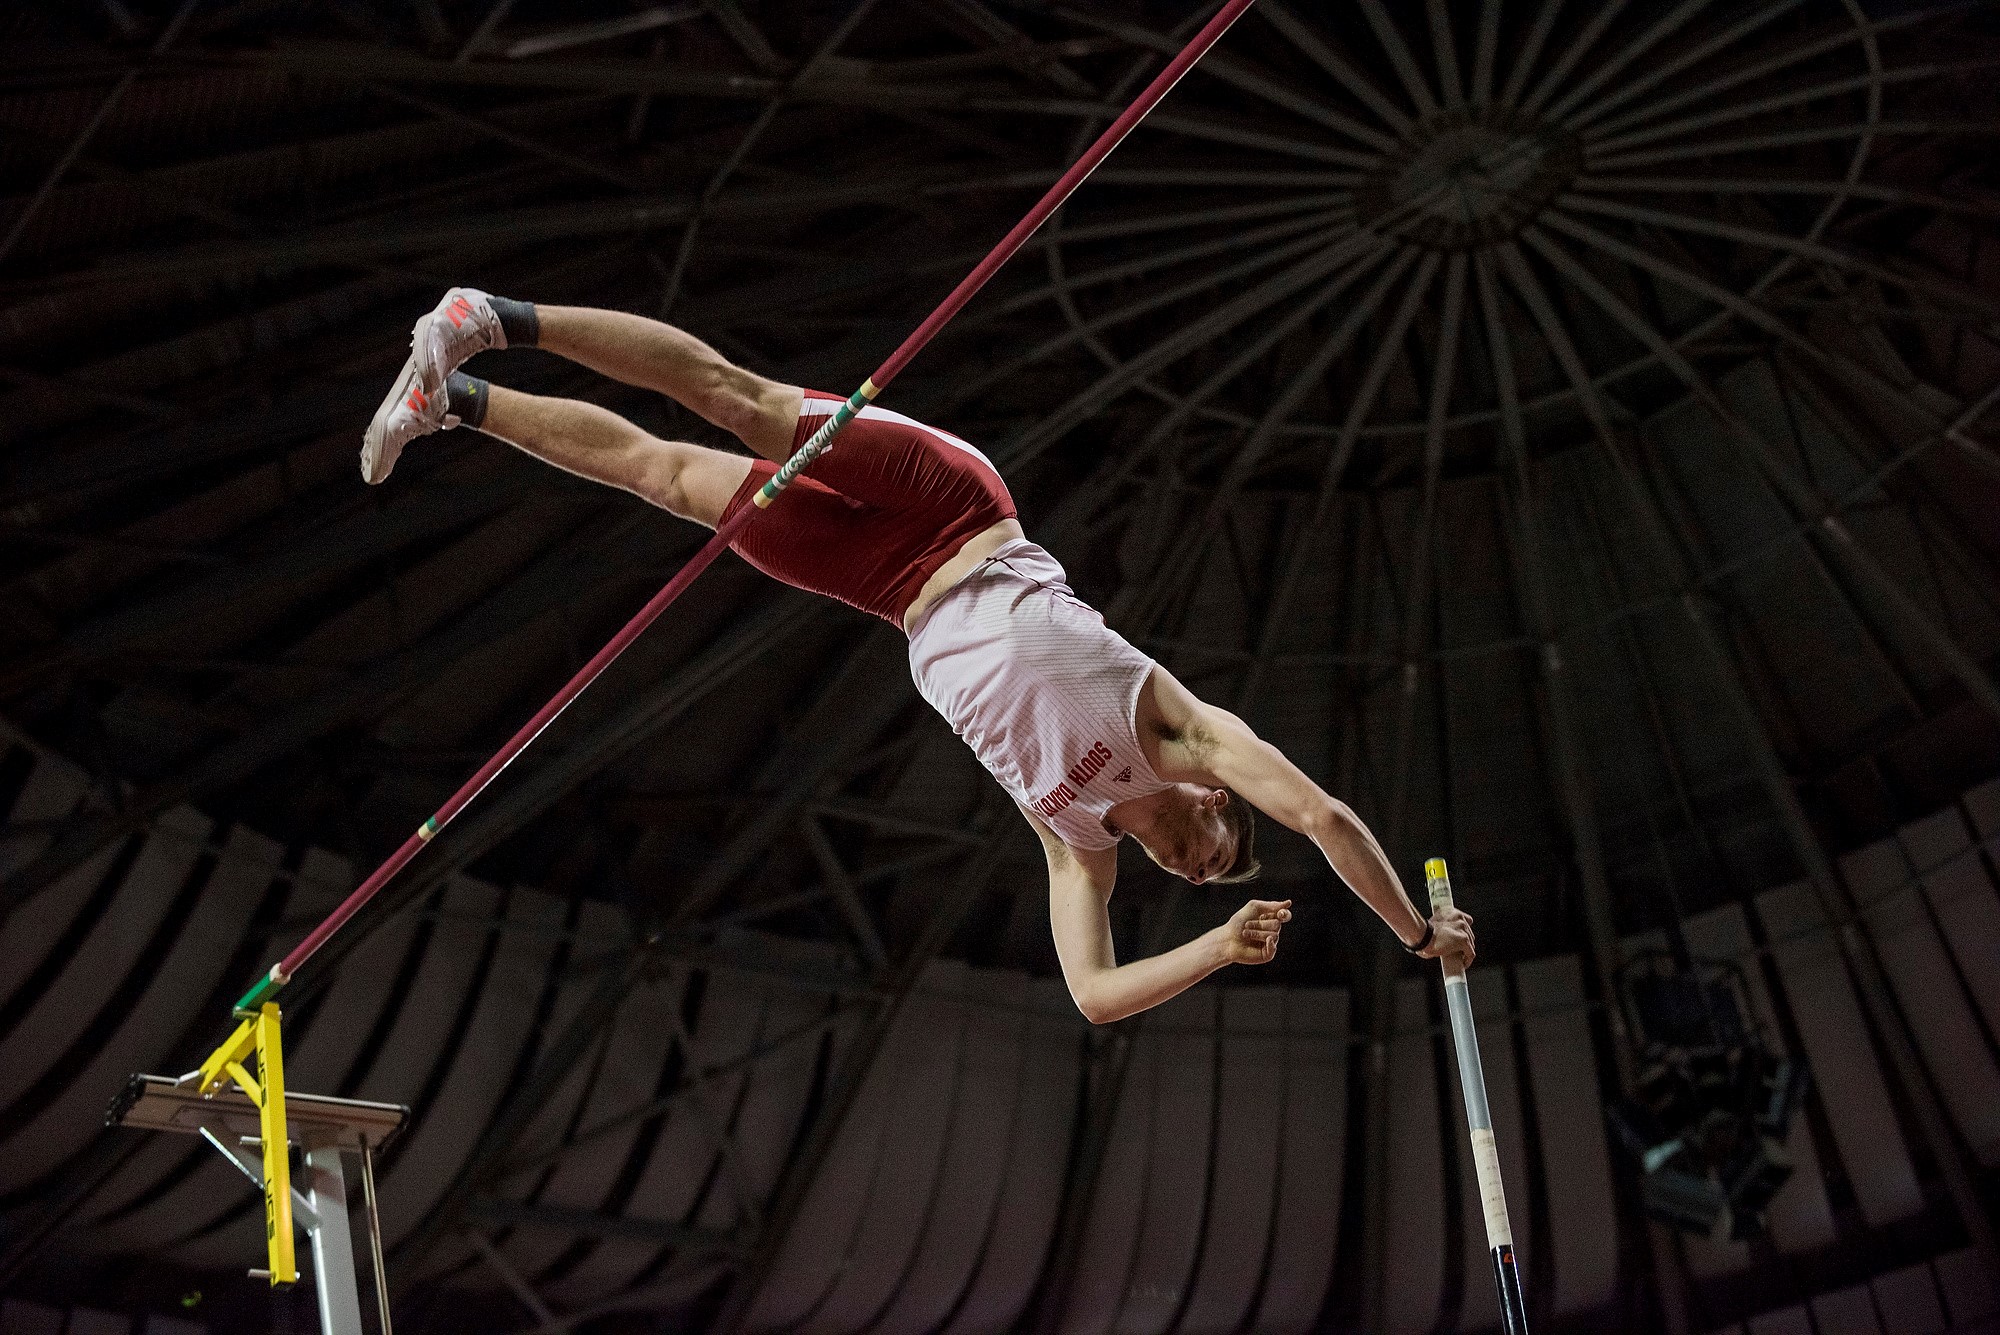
[{"x": 282, "y": 972}]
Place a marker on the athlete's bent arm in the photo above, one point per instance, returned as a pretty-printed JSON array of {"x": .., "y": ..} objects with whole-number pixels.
[
  {"x": 1080, "y": 883},
  {"x": 1210, "y": 744}
]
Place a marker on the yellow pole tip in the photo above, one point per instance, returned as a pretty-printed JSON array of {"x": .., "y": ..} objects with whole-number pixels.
[
  {"x": 1434, "y": 869},
  {"x": 760, "y": 500}
]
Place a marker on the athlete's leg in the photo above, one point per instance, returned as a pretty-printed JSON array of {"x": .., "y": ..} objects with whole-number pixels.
[
  {"x": 814, "y": 539},
  {"x": 654, "y": 355},
  {"x": 582, "y": 438}
]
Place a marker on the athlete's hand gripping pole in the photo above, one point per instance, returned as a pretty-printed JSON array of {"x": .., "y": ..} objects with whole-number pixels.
[
  {"x": 1211, "y": 32},
  {"x": 1472, "y": 1080}
]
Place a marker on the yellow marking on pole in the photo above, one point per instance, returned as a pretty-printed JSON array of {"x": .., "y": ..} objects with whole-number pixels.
[{"x": 868, "y": 390}]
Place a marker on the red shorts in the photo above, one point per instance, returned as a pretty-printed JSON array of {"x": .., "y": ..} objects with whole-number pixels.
[{"x": 876, "y": 515}]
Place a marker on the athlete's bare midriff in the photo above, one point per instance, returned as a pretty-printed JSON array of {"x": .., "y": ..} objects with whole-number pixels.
[{"x": 976, "y": 549}]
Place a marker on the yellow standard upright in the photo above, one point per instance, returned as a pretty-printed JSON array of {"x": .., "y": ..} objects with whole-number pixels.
[{"x": 259, "y": 1034}]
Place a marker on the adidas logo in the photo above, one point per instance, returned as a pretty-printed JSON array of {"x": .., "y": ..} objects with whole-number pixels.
[
  {"x": 1123, "y": 775},
  {"x": 457, "y": 311}
]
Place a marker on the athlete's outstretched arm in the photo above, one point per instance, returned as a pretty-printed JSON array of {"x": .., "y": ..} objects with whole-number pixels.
[
  {"x": 1207, "y": 744},
  {"x": 1080, "y": 885}
]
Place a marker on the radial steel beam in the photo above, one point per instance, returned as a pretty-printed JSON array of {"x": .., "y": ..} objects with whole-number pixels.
[
  {"x": 1269, "y": 424},
  {"x": 1529, "y": 52},
  {"x": 1835, "y": 900},
  {"x": 1306, "y": 261},
  {"x": 1952, "y": 295},
  {"x": 1754, "y": 72},
  {"x": 1233, "y": 69},
  {"x": 1401, "y": 59},
  {"x": 514, "y": 1280},
  {"x": 1444, "y": 53},
  {"x": 1601, "y": 18},
  {"x": 809, "y": 1030},
  {"x": 1755, "y": 143},
  {"x": 1801, "y": 497},
  {"x": 1840, "y": 367},
  {"x": 1177, "y": 566},
  {"x": 1667, "y": 25},
  {"x": 1613, "y": 148},
  {"x": 1376, "y": 374},
  {"x": 1344, "y": 73}
]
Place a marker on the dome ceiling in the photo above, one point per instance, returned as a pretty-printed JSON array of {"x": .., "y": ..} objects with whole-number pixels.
[
  {"x": 1405, "y": 359},
  {"x": 1565, "y": 429}
]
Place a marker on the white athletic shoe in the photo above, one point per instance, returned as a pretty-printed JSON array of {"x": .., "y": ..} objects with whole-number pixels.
[
  {"x": 409, "y": 411},
  {"x": 462, "y": 326},
  {"x": 444, "y": 339}
]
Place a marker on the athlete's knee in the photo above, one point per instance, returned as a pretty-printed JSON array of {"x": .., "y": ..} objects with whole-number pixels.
[
  {"x": 757, "y": 411},
  {"x": 660, "y": 475},
  {"x": 693, "y": 482}
]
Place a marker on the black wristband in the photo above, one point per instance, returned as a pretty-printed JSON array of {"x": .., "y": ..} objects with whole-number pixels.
[{"x": 1423, "y": 943}]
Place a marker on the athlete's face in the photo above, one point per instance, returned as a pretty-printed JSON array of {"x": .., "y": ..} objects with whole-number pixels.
[{"x": 1192, "y": 839}]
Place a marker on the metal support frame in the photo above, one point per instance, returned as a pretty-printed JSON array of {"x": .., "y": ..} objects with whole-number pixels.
[{"x": 224, "y": 1105}]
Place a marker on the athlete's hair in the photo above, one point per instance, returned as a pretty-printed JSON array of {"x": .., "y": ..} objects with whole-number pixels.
[{"x": 1238, "y": 816}]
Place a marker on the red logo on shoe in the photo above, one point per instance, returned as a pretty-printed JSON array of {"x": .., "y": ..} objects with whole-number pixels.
[
  {"x": 457, "y": 311},
  {"x": 416, "y": 403}
]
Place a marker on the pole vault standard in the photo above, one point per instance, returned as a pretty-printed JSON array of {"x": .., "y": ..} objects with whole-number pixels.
[
  {"x": 1485, "y": 1158},
  {"x": 822, "y": 439}
]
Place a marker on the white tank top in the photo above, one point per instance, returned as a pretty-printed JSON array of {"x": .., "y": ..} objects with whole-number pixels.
[{"x": 1040, "y": 688}]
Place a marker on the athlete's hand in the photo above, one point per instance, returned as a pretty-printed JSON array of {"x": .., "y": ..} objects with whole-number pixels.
[
  {"x": 1451, "y": 934},
  {"x": 1251, "y": 934}
]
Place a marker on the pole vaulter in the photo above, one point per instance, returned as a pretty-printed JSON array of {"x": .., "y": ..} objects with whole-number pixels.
[
  {"x": 249, "y": 1064},
  {"x": 821, "y": 440},
  {"x": 1094, "y": 740}
]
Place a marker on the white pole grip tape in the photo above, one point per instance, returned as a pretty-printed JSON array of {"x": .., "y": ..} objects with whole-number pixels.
[{"x": 1492, "y": 1196}]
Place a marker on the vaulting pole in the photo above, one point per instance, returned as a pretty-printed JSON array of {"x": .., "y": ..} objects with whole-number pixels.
[
  {"x": 1485, "y": 1158},
  {"x": 822, "y": 439}
]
